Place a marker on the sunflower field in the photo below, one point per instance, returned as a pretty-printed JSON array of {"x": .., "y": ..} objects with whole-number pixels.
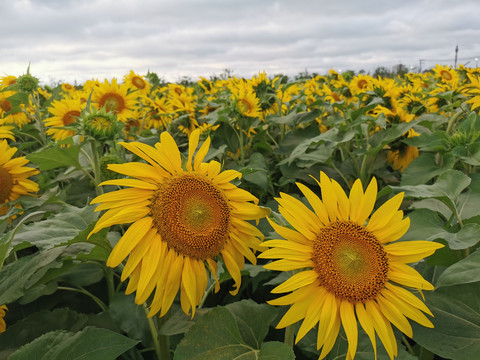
[{"x": 332, "y": 216}]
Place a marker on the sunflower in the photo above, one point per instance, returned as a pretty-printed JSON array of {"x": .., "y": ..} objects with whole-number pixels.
[
  {"x": 3, "y": 326},
  {"x": 5, "y": 132},
  {"x": 7, "y": 113},
  {"x": 446, "y": 74},
  {"x": 137, "y": 83},
  {"x": 7, "y": 80},
  {"x": 65, "y": 112},
  {"x": 14, "y": 180},
  {"x": 182, "y": 220},
  {"x": 245, "y": 99},
  {"x": 348, "y": 268},
  {"x": 115, "y": 98}
]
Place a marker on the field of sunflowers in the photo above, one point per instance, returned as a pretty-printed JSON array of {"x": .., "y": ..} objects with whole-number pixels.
[{"x": 331, "y": 216}]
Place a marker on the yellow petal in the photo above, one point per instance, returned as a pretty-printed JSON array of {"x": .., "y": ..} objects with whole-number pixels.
[
  {"x": 412, "y": 251},
  {"x": 329, "y": 196},
  {"x": 407, "y": 276},
  {"x": 172, "y": 283},
  {"x": 192, "y": 146},
  {"x": 139, "y": 184},
  {"x": 349, "y": 322},
  {"x": 312, "y": 315},
  {"x": 367, "y": 325},
  {"x": 201, "y": 153},
  {"x": 382, "y": 216},
  {"x": 170, "y": 148},
  {"x": 289, "y": 234},
  {"x": 317, "y": 205},
  {"x": 189, "y": 280},
  {"x": 394, "y": 315},
  {"x": 134, "y": 234},
  {"x": 296, "y": 281},
  {"x": 367, "y": 203},
  {"x": 383, "y": 328},
  {"x": 408, "y": 297}
]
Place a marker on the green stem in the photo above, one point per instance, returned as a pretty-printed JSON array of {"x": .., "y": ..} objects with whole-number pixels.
[
  {"x": 81, "y": 290},
  {"x": 451, "y": 122},
  {"x": 289, "y": 335},
  {"x": 110, "y": 283},
  {"x": 332, "y": 164},
  {"x": 160, "y": 342},
  {"x": 38, "y": 117},
  {"x": 208, "y": 291},
  {"x": 407, "y": 345}
]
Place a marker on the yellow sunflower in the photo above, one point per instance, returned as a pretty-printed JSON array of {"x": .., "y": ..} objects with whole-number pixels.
[
  {"x": 5, "y": 132},
  {"x": 65, "y": 112},
  {"x": 115, "y": 98},
  {"x": 14, "y": 175},
  {"x": 7, "y": 80},
  {"x": 183, "y": 218},
  {"x": 19, "y": 118},
  {"x": 348, "y": 268},
  {"x": 246, "y": 101},
  {"x": 137, "y": 83},
  {"x": 446, "y": 74},
  {"x": 3, "y": 326}
]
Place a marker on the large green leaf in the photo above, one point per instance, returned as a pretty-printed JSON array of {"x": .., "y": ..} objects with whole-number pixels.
[
  {"x": 22, "y": 274},
  {"x": 89, "y": 344},
  {"x": 456, "y": 332},
  {"x": 56, "y": 157},
  {"x": 447, "y": 188},
  {"x": 217, "y": 336},
  {"x": 56, "y": 230},
  {"x": 464, "y": 271},
  {"x": 37, "y": 324},
  {"x": 253, "y": 320},
  {"x": 424, "y": 168},
  {"x": 425, "y": 224}
]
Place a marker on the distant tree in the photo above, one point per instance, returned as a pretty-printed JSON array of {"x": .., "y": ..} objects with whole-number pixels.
[{"x": 383, "y": 72}]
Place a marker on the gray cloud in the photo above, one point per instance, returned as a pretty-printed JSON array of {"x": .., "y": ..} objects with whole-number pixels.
[{"x": 81, "y": 39}]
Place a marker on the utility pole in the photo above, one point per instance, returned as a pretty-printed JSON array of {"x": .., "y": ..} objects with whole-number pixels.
[
  {"x": 456, "y": 53},
  {"x": 420, "y": 65}
]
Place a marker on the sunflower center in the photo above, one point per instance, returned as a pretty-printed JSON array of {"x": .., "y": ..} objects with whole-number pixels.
[
  {"x": 362, "y": 83},
  {"x": 244, "y": 106},
  {"x": 6, "y": 184},
  {"x": 70, "y": 117},
  {"x": 350, "y": 261},
  {"x": 5, "y": 105},
  {"x": 138, "y": 82},
  {"x": 446, "y": 75},
  {"x": 112, "y": 102},
  {"x": 192, "y": 215}
]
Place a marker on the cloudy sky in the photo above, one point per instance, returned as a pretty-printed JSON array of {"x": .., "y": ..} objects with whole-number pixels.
[{"x": 76, "y": 40}]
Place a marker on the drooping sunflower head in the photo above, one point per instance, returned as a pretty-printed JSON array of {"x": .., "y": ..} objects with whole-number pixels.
[
  {"x": 185, "y": 217},
  {"x": 101, "y": 124},
  {"x": 14, "y": 176},
  {"x": 349, "y": 266}
]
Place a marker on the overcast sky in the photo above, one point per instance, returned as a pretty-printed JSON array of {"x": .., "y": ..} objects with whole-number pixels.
[{"x": 76, "y": 40}]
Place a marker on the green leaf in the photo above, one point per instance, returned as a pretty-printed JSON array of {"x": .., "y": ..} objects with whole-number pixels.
[
  {"x": 275, "y": 350},
  {"x": 56, "y": 157},
  {"x": 89, "y": 344},
  {"x": 37, "y": 324},
  {"x": 56, "y": 230},
  {"x": 456, "y": 332},
  {"x": 424, "y": 168},
  {"x": 253, "y": 320},
  {"x": 217, "y": 336},
  {"x": 22, "y": 274},
  {"x": 7, "y": 238},
  {"x": 426, "y": 225},
  {"x": 130, "y": 317},
  {"x": 447, "y": 188},
  {"x": 462, "y": 272}
]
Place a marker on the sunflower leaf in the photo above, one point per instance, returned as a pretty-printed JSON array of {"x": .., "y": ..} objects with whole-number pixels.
[
  {"x": 218, "y": 335},
  {"x": 56, "y": 157},
  {"x": 91, "y": 343},
  {"x": 463, "y": 272},
  {"x": 456, "y": 332}
]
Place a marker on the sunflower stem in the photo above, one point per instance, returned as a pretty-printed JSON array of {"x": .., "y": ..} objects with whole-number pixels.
[
  {"x": 110, "y": 284},
  {"x": 160, "y": 342},
  {"x": 407, "y": 345},
  {"x": 452, "y": 122},
  {"x": 81, "y": 290},
  {"x": 289, "y": 335}
]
